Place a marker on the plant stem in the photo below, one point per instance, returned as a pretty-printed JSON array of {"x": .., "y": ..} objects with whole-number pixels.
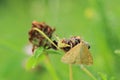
[
  {"x": 50, "y": 68},
  {"x": 47, "y": 61},
  {"x": 70, "y": 72},
  {"x": 87, "y": 72},
  {"x": 45, "y": 37}
]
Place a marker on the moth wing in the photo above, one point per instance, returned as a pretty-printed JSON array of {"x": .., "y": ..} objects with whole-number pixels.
[
  {"x": 78, "y": 55},
  {"x": 85, "y": 55},
  {"x": 70, "y": 56}
]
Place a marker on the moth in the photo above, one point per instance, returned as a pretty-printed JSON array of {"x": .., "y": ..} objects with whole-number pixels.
[{"x": 79, "y": 54}]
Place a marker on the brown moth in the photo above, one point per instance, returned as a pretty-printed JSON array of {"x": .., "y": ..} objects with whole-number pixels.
[{"x": 79, "y": 54}]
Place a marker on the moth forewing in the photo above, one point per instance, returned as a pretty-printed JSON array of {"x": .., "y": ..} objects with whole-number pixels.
[
  {"x": 71, "y": 56},
  {"x": 85, "y": 55},
  {"x": 78, "y": 55}
]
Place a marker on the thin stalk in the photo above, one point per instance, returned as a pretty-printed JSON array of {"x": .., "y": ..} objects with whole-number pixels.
[
  {"x": 70, "y": 72},
  {"x": 50, "y": 68},
  {"x": 87, "y": 72},
  {"x": 47, "y": 61},
  {"x": 46, "y": 37}
]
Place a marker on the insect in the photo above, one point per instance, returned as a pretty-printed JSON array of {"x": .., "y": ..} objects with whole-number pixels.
[{"x": 79, "y": 54}]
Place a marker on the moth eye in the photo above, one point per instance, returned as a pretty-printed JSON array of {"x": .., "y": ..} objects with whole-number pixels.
[
  {"x": 86, "y": 43},
  {"x": 88, "y": 46}
]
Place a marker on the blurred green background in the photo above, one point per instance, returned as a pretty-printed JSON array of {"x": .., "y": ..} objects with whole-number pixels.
[{"x": 96, "y": 21}]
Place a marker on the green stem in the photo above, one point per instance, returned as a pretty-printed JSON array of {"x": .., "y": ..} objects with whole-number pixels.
[
  {"x": 87, "y": 72},
  {"x": 50, "y": 68},
  {"x": 45, "y": 37},
  {"x": 70, "y": 72},
  {"x": 47, "y": 61}
]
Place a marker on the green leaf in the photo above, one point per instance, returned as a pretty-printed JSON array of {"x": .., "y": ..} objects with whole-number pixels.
[
  {"x": 38, "y": 52},
  {"x": 103, "y": 76},
  {"x": 34, "y": 60},
  {"x": 30, "y": 63},
  {"x": 52, "y": 51}
]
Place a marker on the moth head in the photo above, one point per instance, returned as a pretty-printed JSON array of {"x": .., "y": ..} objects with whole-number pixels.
[{"x": 87, "y": 44}]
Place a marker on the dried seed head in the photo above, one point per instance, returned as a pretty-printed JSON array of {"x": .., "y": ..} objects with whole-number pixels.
[
  {"x": 72, "y": 42},
  {"x": 36, "y": 38}
]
